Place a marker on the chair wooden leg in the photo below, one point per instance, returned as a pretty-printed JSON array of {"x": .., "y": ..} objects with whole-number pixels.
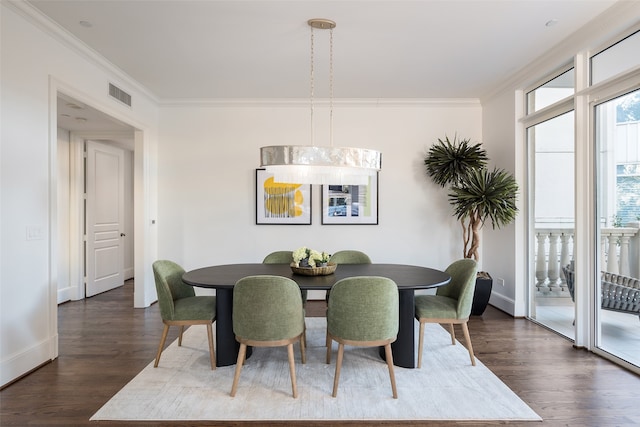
[
  {"x": 212, "y": 352},
  {"x": 180, "y": 336},
  {"x": 162, "y": 340},
  {"x": 303, "y": 352},
  {"x": 329, "y": 345},
  {"x": 336, "y": 378},
  {"x": 452, "y": 332},
  {"x": 292, "y": 370},
  {"x": 467, "y": 339},
  {"x": 304, "y": 334},
  {"x": 420, "y": 343},
  {"x": 239, "y": 362},
  {"x": 389, "y": 357}
]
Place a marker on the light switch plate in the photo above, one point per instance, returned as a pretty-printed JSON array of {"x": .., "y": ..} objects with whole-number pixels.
[{"x": 35, "y": 232}]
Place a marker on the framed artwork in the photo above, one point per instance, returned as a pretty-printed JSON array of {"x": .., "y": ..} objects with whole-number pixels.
[
  {"x": 350, "y": 204},
  {"x": 281, "y": 203}
]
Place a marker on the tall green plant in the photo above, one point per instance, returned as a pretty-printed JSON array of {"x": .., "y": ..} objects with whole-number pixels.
[{"x": 475, "y": 193}]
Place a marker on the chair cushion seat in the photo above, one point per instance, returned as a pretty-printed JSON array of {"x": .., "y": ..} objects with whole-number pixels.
[
  {"x": 195, "y": 308},
  {"x": 435, "y": 307}
]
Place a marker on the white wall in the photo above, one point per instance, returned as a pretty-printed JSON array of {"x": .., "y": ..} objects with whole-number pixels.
[
  {"x": 501, "y": 246},
  {"x": 33, "y": 65},
  {"x": 207, "y": 159}
]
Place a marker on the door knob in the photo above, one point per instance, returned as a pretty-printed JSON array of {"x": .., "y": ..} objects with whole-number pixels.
[{"x": 122, "y": 234}]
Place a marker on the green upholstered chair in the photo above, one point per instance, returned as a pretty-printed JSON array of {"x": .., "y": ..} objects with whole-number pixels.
[
  {"x": 267, "y": 312},
  {"x": 179, "y": 305},
  {"x": 279, "y": 257},
  {"x": 349, "y": 256},
  {"x": 284, "y": 257},
  {"x": 450, "y": 305},
  {"x": 363, "y": 311}
]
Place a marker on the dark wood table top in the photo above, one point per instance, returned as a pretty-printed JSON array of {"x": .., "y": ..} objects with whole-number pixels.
[{"x": 405, "y": 276}]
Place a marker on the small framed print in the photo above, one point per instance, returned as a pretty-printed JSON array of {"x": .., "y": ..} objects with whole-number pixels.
[
  {"x": 350, "y": 204},
  {"x": 281, "y": 203}
]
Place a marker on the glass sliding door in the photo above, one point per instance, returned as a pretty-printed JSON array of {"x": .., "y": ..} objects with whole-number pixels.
[
  {"x": 617, "y": 295},
  {"x": 582, "y": 199},
  {"x": 551, "y": 183}
]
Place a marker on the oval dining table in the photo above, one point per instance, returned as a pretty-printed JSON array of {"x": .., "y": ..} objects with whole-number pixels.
[{"x": 408, "y": 278}]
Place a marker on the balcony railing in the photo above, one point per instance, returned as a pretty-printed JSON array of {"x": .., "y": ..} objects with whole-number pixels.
[{"x": 620, "y": 254}]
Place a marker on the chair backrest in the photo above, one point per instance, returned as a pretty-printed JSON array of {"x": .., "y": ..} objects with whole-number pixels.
[
  {"x": 350, "y": 257},
  {"x": 462, "y": 285},
  {"x": 279, "y": 257},
  {"x": 169, "y": 286},
  {"x": 363, "y": 308},
  {"x": 267, "y": 308}
]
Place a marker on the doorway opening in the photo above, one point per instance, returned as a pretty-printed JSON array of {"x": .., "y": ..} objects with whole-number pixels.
[{"x": 95, "y": 154}]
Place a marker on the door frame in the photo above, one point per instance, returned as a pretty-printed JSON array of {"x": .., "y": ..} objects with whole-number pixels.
[{"x": 143, "y": 224}]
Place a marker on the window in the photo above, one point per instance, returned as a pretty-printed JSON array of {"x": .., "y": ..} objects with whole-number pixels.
[
  {"x": 552, "y": 91},
  {"x": 619, "y": 57}
]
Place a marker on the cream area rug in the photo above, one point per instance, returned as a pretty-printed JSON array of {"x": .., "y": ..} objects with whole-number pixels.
[{"x": 447, "y": 387}]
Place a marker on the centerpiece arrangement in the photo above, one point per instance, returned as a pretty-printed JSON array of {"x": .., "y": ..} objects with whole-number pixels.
[{"x": 311, "y": 262}]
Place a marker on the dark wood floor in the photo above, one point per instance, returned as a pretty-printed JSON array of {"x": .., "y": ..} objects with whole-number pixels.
[{"x": 104, "y": 343}]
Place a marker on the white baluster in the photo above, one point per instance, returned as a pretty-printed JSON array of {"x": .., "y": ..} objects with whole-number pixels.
[
  {"x": 541, "y": 265},
  {"x": 612, "y": 256},
  {"x": 603, "y": 249},
  {"x": 553, "y": 268},
  {"x": 624, "y": 256}
]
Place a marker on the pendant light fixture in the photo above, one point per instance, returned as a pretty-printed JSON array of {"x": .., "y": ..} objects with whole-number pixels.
[{"x": 312, "y": 164}]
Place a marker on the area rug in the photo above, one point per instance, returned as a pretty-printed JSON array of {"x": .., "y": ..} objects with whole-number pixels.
[{"x": 447, "y": 387}]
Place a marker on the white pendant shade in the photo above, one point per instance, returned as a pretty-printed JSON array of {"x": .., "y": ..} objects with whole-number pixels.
[{"x": 306, "y": 164}]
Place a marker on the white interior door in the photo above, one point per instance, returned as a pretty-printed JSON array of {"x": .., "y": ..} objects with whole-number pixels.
[{"x": 104, "y": 218}]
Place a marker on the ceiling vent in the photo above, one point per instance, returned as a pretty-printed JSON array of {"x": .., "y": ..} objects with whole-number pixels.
[{"x": 119, "y": 94}]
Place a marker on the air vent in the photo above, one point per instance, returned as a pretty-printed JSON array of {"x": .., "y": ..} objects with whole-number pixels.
[{"x": 119, "y": 94}]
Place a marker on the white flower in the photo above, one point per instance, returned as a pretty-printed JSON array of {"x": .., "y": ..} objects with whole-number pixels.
[
  {"x": 300, "y": 254},
  {"x": 314, "y": 257}
]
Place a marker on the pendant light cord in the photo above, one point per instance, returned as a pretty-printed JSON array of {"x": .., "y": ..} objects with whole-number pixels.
[
  {"x": 311, "y": 87},
  {"x": 331, "y": 86}
]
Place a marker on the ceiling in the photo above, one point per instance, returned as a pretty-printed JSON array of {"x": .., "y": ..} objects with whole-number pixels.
[
  {"x": 197, "y": 50},
  {"x": 78, "y": 117}
]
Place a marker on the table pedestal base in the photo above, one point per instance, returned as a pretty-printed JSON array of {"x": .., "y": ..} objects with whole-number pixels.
[
  {"x": 403, "y": 348},
  {"x": 226, "y": 345}
]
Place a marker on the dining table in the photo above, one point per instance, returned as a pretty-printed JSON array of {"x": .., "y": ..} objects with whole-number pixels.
[{"x": 408, "y": 278}]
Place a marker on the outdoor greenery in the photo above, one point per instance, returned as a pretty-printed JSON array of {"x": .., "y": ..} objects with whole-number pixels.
[
  {"x": 628, "y": 110},
  {"x": 475, "y": 193}
]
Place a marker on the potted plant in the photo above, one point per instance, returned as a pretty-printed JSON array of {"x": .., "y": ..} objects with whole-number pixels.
[
  {"x": 306, "y": 257},
  {"x": 476, "y": 194}
]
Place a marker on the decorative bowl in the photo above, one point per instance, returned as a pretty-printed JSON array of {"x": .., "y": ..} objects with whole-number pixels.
[{"x": 330, "y": 268}]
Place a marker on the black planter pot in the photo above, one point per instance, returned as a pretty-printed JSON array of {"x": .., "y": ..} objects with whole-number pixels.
[{"x": 481, "y": 295}]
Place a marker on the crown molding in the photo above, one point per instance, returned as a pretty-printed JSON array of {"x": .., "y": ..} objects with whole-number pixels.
[{"x": 343, "y": 102}]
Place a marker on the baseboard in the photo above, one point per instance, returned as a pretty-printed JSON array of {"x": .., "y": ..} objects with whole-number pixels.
[
  {"x": 502, "y": 303},
  {"x": 65, "y": 294},
  {"x": 24, "y": 362}
]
